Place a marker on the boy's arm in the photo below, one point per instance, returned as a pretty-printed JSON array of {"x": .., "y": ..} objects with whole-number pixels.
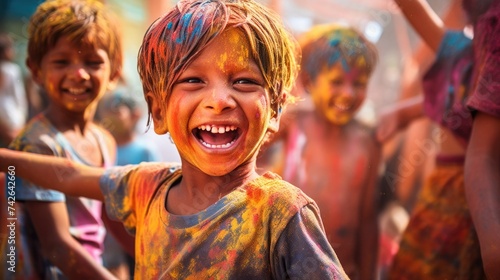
[
  {"x": 424, "y": 20},
  {"x": 51, "y": 172},
  {"x": 482, "y": 188},
  {"x": 51, "y": 223},
  {"x": 398, "y": 116},
  {"x": 368, "y": 241},
  {"x": 303, "y": 251}
]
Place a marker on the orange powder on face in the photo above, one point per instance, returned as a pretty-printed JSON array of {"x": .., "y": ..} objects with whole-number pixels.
[{"x": 239, "y": 56}]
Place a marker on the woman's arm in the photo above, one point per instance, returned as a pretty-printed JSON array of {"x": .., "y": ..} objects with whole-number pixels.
[{"x": 51, "y": 172}]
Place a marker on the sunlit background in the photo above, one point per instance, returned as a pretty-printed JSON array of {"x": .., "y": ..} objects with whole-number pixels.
[{"x": 379, "y": 20}]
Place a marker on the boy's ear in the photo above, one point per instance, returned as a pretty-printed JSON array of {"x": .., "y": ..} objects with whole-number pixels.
[
  {"x": 274, "y": 122},
  {"x": 158, "y": 113},
  {"x": 114, "y": 79},
  {"x": 35, "y": 71}
]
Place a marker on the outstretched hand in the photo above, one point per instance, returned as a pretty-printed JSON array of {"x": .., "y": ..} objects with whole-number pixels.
[{"x": 388, "y": 125}]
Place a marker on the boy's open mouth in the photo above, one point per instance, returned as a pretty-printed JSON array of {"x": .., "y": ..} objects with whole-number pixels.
[
  {"x": 341, "y": 106},
  {"x": 216, "y": 136}
]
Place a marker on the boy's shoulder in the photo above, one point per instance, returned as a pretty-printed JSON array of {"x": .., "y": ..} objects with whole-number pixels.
[
  {"x": 277, "y": 190},
  {"x": 38, "y": 136}
]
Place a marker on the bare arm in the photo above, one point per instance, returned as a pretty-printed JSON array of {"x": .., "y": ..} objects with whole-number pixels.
[
  {"x": 398, "y": 116},
  {"x": 50, "y": 172},
  {"x": 482, "y": 187},
  {"x": 368, "y": 238},
  {"x": 64, "y": 251},
  {"x": 424, "y": 20}
]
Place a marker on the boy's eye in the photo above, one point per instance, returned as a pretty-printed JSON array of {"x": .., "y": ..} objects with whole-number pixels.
[
  {"x": 359, "y": 84},
  {"x": 336, "y": 82},
  {"x": 245, "y": 81},
  {"x": 246, "y": 85},
  {"x": 191, "y": 80},
  {"x": 95, "y": 62},
  {"x": 60, "y": 62}
]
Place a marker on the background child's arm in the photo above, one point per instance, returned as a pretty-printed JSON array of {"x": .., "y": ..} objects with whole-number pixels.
[
  {"x": 398, "y": 116},
  {"x": 51, "y": 222},
  {"x": 424, "y": 20},
  {"x": 482, "y": 186},
  {"x": 50, "y": 172}
]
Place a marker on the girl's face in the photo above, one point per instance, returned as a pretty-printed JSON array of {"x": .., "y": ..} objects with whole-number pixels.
[
  {"x": 219, "y": 110},
  {"x": 338, "y": 93},
  {"x": 74, "y": 76}
]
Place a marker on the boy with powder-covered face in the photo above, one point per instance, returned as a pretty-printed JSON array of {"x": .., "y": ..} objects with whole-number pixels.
[
  {"x": 74, "y": 55},
  {"x": 326, "y": 151},
  {"x": 215, "y": 76}
]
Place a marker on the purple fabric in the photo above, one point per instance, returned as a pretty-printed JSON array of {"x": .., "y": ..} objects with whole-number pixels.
[
  {"x": 485, "y": 94},
  {"x": 446, "y": 85}
]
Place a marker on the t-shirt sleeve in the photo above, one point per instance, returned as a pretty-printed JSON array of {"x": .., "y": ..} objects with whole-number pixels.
[
  {"x": 128, "y": 190},
  {"x": 485, "y": 95},
  {"x": 303, "y": 251},
  {"x": 27, "y": 191},
  {"x": 118, "y": 196}
]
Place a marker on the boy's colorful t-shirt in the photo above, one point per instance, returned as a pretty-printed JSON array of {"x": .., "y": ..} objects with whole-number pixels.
[
  {"x": 266, "y": 229},
  {"x": 84, "y": 214}
]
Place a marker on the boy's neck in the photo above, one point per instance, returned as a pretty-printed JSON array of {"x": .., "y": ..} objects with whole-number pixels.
[
  {"x": 68, "y": 121},
  {"x": 201, "y": 190}
]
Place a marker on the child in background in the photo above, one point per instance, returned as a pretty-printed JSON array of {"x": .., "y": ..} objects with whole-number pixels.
[
  {"x": 74, "y": 54},
  {"x": 119, "y": 113},
  {"x": 482, "y": 161},
  {"x": 13, "y": 98},
  {"x": 440, "y": 241},
  {"x": 215, "y": 75},
  {"x": 330, "y": 155}
]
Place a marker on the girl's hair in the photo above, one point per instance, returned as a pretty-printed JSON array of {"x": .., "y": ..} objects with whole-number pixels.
[
  {"x": 174, "y": 40},
  {"x": 326, "y": 45},
  {"x": 82, "y": 22}
]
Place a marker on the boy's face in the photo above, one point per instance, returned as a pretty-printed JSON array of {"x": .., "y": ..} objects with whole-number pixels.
[
  {"x": 74, "y": 76},
  {"x": 338, "y": 93},
  {"x": 219, "y": 110}
]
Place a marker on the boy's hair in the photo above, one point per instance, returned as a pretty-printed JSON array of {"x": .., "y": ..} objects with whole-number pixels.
[
  {"x": 82, "y": 22},
  {"x": 326, "y": 45},
  {"x": 173, "y": 41}
]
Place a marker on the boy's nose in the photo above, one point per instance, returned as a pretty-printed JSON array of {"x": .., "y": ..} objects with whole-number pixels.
[
  {"x": 220, "y": 100},
  {"x": 80, "y": 73}
]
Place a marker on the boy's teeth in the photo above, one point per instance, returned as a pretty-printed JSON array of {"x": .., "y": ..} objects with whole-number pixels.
[
  {"x": 76, "y": 90},
  {"x": 217, "y": 129},
  {"x": 217, "y": 146}
]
